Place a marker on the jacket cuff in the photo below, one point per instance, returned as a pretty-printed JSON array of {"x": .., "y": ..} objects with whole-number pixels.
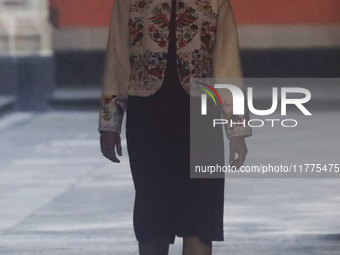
[
  {"x": 111, "y": 113},
  {"x": 115, "y": 127},
  {"x": 237, "y": 126}
]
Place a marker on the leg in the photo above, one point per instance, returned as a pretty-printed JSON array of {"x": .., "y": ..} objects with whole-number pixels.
[
  {"x": 195, "y": 246},
  {"x": 157, "y": 247}
]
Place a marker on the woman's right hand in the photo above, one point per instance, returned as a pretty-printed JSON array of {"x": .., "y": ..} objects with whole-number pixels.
[{"x": 109, "y": 143}]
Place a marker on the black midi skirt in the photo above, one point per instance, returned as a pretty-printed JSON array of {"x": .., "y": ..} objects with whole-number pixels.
[{"x": 168, "y": 202}]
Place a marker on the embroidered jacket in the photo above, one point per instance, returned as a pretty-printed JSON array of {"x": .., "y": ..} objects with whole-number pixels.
[{"x": 136, "y": 58}]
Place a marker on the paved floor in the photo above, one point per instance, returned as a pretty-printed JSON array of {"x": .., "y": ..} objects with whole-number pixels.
[{"x": 58, "y": 195}]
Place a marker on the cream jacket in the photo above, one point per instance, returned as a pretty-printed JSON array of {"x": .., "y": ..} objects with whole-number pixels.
[{"x": 136, "y": 57}]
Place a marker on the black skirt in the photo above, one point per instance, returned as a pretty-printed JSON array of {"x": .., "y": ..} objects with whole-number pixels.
[{"x": 168, "y": 202}]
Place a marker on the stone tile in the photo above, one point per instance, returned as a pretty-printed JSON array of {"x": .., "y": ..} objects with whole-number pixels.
[{"x": 58, "y": 195}]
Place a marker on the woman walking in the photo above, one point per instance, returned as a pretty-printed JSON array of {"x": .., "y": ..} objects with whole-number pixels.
[{"x": 154, "y": 48}]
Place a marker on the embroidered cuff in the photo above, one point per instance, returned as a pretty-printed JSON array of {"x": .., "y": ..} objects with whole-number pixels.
[
  {"x": 111, "y": 113},
  {"x": 237, "y": 126}
]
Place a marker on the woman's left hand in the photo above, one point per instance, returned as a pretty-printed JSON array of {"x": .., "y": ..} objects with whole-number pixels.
[{"x": 237, "y": 145}]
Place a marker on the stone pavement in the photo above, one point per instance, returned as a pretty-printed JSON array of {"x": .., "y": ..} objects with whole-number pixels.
[
  {"x": 58, "y": 195},
  {"x": 6, "y": 104}
]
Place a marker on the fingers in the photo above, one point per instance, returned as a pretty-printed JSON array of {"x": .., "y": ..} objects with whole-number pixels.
[
  {"x": 237, "y": 145},
  {"x": 242, "y": 156},
  {"x": 114, "y": 159},
  {"x": 111, "y": 155},
  {"x": 238, "y": 163},
  {"x": 109, "y": 143},
  {"x": 119, "y": 147},
  {"x": 232, "y": 156}
]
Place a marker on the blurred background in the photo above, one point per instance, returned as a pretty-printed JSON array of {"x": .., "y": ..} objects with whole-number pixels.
[
  {"x": 65, "y": 40},
  {"x": 58, "y": 195}
]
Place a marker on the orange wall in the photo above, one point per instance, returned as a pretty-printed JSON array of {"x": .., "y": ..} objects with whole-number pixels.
[
  {"x": 97, "y": 12},
  {"x": 83, "y": 13},
  {"x": 286, "y": 11}
]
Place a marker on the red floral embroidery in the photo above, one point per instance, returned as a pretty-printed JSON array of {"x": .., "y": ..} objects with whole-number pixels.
[
  {"x": 162, "y": 43},
  {"x": 181, "y": 44},
  {"x": 148, "y": 68},
  {"x": 136, "y": 27},
  {"x": 208, "y": 33},
  {"x": 187, "y": 24},
  {"x": 140, "y": 5},
  {"x": 158, "y": 30}
]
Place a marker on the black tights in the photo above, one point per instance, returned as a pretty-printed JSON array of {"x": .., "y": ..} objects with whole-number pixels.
[
  {"x": 156, "y": 247},
  {"x": 207, "y": 242},
  {"x": 160, "y": 246}
]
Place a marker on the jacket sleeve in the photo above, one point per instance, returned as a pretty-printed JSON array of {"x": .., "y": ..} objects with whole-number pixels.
[
  {"x": 117, "y": 70},
  {"x": 226, "y": 64}
]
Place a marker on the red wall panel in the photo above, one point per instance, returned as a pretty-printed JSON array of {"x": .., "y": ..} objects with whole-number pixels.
[
  {"x": 97, "y": 13},
  {"x": 286, "y": 11},
  {"x": 83, "y": 13}
]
